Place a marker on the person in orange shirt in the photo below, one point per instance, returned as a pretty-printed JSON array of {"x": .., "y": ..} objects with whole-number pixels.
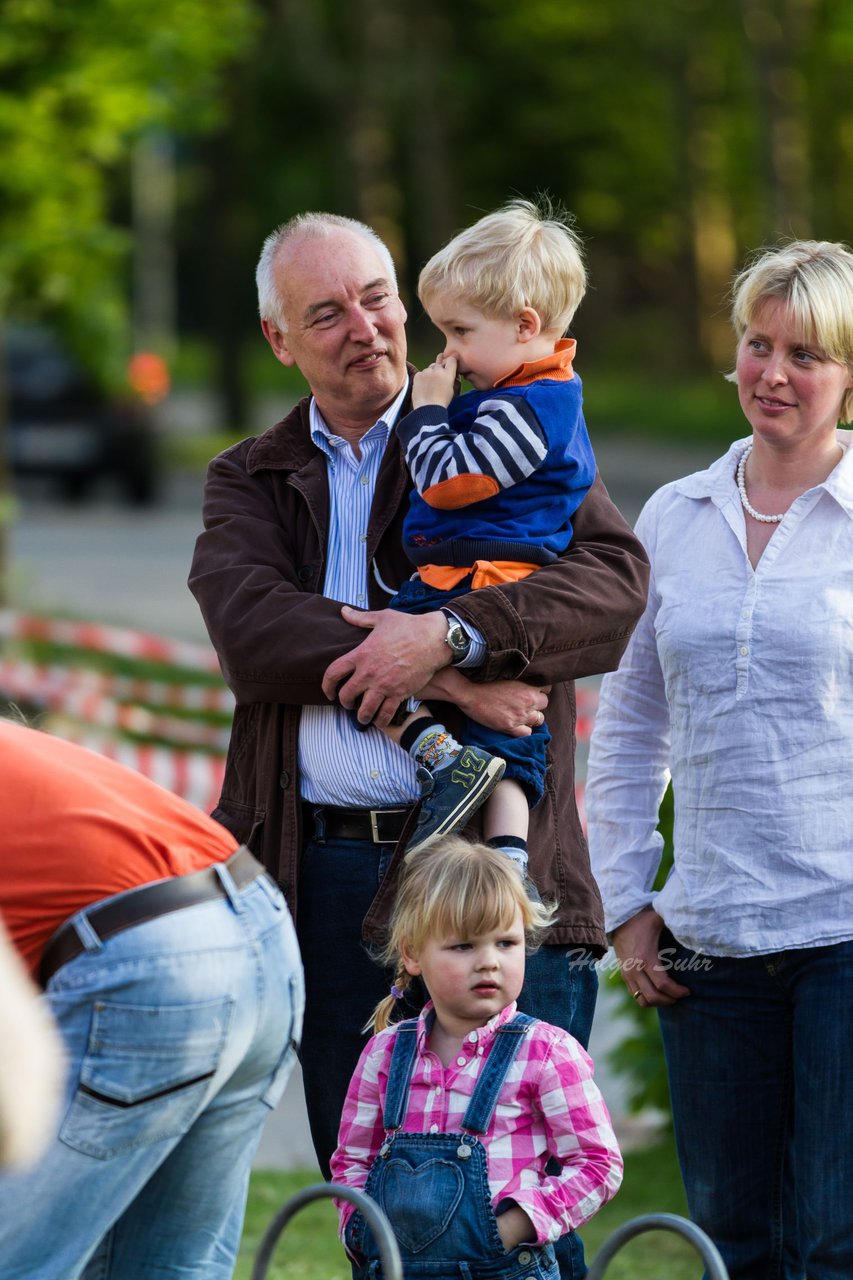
[{"x": 169, "y": 962}]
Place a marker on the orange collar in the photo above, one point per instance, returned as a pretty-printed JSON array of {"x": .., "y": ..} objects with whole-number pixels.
[{"x": 558, "y": 365}]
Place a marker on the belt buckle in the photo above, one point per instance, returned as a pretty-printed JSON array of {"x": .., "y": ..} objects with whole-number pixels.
[{"x": 374, "y": 827}]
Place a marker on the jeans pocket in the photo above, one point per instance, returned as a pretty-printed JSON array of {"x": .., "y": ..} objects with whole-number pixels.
[
  {"x": 145, "y": 1074},
  {"x": 354, "y": 1234},
  {"x": 281, "y": 1073}
]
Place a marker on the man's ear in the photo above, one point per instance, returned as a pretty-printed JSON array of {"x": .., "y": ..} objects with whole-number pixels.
[
  {"x": 409, "y": 961},
  {"x": 528, "y": 324},
  {"x": 277, "y": 339}
]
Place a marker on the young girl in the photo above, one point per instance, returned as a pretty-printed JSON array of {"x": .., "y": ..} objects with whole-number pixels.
[{"x": 451, "y": 1118}]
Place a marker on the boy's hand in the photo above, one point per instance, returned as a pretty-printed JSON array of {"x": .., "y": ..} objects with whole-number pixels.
[{"x": 436, "y": 384}]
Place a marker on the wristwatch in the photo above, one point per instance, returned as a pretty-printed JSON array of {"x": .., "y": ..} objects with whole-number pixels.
[{"x": 457, "y": 638}]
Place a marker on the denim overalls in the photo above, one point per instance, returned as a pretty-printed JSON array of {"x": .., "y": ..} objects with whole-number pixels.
[{"x": 434, "y": 1187}]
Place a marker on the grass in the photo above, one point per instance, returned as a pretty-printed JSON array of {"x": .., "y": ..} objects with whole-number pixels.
[{"x": 308, "y": 1249}]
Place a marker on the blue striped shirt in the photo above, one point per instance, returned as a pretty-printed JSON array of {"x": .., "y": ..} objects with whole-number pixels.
[{"x": 338, "y": 764}]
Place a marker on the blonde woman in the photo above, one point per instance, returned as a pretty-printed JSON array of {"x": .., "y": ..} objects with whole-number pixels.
[{"x": 737, "y": 684}]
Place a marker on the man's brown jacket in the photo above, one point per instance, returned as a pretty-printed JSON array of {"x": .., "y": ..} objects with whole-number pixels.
[{"x": 257, "y": 574}]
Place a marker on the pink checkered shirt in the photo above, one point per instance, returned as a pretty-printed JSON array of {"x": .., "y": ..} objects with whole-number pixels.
[{"x": 549, "y": 1106}]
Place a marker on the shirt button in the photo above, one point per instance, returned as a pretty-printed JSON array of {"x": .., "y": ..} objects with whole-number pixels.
[
  {"x": 471, "y": 1037},
  {"x": 374, "y": 773},
  {"x": 363, "y": 480},
  {"x": 433, "y": 1128},
  {"x": 360, "y": 597},
  {"x": 479, "y": 1053},
  {"x": 362, "y": 537},
  {"x": 743, "y": 651},
  {"x": 437, "y": 1090},
  {"x": 460, "y": 1062}
]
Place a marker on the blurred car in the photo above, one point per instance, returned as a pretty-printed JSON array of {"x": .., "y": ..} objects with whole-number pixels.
[{"x": 64, "y": 426}]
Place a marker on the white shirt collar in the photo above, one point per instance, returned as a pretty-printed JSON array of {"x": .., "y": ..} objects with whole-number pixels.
[{"x": 717, "y": 482}]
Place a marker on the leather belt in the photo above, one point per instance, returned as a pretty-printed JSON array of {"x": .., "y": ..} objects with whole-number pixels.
[
  {"x": 379, "y": 826},
  {"x": 149, "y": 901}
]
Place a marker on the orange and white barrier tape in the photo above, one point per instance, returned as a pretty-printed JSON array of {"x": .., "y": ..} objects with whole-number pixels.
[
  {"x": 20, "y": 677},
  {"x": 115, "y": 640},
  {"x": 78, "y": 694},
  {"x": 194, "y": 776}
]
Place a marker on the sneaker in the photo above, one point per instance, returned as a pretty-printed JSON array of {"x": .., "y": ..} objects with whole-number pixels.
[{"x": 450, "y": 796}]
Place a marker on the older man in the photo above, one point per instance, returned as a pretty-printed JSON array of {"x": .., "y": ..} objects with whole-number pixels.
[{"x": 304, "y": 521}]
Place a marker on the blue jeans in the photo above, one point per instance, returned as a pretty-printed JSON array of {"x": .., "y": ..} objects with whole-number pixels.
[
  {"x": 759, "y": 1058},
  {"x": 526, "y": 758},
  {"x": 338, "y": 882},
  {"x": 180, "y": 1034}
]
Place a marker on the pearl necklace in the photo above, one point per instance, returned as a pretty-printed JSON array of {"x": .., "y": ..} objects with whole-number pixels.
[{"x": 741, "y": 486}]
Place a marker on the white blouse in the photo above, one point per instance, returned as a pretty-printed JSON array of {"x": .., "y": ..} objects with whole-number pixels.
[{"x": 738, "y": 682}]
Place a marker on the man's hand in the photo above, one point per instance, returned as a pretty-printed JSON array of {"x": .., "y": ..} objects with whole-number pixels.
[
  {"x": 399, "y": 657},
  {"x": 510, "y": 706},
  {"x": 636, "y": 943},
  {"x": 437, "y": 384}
]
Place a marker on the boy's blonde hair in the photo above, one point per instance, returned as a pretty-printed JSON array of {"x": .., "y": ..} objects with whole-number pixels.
[
  {"x": 451, "y": 888},
  {"x": 524, "y": 255},
  {"x": 814, "y": 279}
]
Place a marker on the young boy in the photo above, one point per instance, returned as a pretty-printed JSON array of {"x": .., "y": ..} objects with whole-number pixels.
[{"x": 498, "y": 474}]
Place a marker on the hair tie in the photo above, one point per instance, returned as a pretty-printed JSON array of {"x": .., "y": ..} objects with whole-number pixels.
[{"x": 396, "y": 992}]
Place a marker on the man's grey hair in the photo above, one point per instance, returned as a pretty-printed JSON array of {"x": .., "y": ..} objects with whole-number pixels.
[{"x": 312, "y": 224}]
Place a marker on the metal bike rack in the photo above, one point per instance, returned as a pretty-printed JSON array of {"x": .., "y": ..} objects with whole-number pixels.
[
  {"x": 392, "y": 1267},
  {"x": 714, "y": 1266}
]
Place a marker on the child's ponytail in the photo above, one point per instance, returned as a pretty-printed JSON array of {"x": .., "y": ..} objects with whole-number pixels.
[{"x": 382, "y": 1015}]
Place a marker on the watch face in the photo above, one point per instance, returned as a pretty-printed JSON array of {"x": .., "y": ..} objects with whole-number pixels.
[{"x": 457, "y": 639}]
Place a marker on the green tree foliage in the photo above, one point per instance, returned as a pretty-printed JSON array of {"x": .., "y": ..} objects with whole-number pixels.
[
  {"x": 78, "y": 84},
  {"x": 681, "y": 134}
]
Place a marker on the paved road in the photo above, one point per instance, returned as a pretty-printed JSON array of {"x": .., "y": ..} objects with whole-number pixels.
[
  {"x": 111, "y": 564},
  {"x": 116, "y": 564}
]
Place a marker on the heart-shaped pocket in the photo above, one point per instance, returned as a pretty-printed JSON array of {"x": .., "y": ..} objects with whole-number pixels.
[{"x": 419, "y": 1201}]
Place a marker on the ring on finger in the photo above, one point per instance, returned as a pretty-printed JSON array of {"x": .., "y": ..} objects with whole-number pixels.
[{"x": 635, "y": 995}]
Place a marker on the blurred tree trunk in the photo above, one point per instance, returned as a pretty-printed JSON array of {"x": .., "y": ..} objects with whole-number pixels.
[
  {"x": 429, "y": 35},
  {"x": 5, "y": 477},
  {"x": 224, "y": 265},
  {"x": 376, "y": 35},
  {"x": 710, "y": 214},
  {"x": 153, "y": 198},
  {"x": 776, "y": 33},
  {"x": 355, "y": 71}
]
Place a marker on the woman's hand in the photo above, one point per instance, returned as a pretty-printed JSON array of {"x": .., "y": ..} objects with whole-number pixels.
[
  {"x": 514, "y": 1226},
  {"x": 636, "y": 943}
]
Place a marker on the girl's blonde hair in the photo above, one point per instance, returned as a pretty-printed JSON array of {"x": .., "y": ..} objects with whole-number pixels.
[
  {"x": 523, "y": 255},
  {"x": 814, "y": 280},
  {"x": 451, "y": 888}
]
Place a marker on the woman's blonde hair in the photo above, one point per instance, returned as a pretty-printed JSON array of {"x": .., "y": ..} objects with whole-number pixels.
[
  {"x": 451, "y": 888},
  {"x": 814, "y": 280},
  {"x": 525, "y": 255}
]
